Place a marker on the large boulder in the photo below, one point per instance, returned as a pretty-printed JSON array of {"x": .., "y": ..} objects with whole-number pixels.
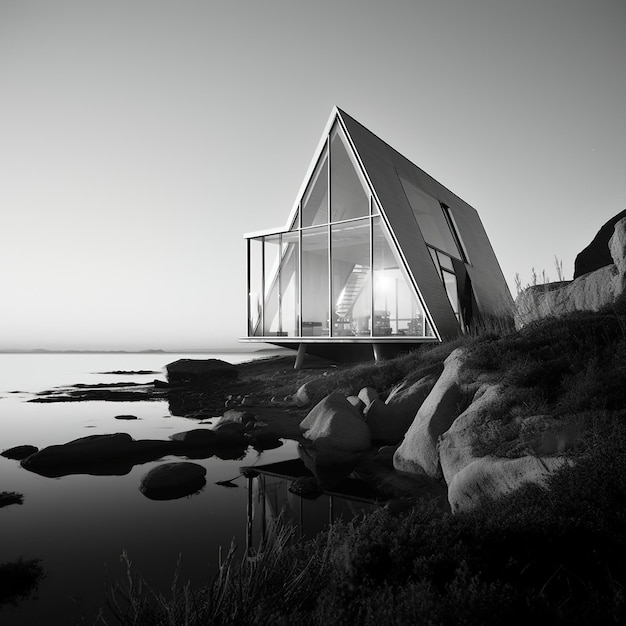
[
  {"x": 597, "y": 254},
  {"x": 588, "y": 292},
  {"x": 543, "y": 435},
  {"x": 199, "y": 371},
  {"x": 417, "y": 454},
  {"x": 456, "y": 445},
  {"x": 113, "y": 454},
  {"x": 389, "y": 421},
  {"x": 173, "y": 480},
  {"x": 336, "y": 423},
  {"x": 311, "y": 391},
  {"x": 491, "y": 477}
]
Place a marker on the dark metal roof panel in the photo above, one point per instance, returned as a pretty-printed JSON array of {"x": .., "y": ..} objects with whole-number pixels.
[
  {"x": 383, "y": 164},
  {"x": 378, "y": 160}
]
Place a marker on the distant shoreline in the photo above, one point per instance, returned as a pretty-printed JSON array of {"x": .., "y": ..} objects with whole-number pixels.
[{"x": 189, "y": 351}]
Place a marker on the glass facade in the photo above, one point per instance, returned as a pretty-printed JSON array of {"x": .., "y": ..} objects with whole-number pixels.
[
  {"x": 337, "y": 272},
  {"x": 315, "y": 200},
  {"x": 348, "y": 196},
  {"x": 351, "y": 278},
  {"x": 315, "y": 282},
  {"x": 397, "y": 311}
]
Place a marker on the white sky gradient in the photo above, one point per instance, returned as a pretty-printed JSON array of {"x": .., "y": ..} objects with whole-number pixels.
[{"x": 140, "y": 139}]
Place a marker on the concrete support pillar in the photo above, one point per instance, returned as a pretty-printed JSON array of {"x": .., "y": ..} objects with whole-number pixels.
[{"x": 300, "y": 356}]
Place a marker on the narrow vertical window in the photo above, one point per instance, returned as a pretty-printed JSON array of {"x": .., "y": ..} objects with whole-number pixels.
[
  {"x": 315, "y": 287},
  {"x": 351, "y": 278},
  {"x": 255, "y": 287},
  {"x": 315, "y": 201},
  {"x": 348, "y": 195}
]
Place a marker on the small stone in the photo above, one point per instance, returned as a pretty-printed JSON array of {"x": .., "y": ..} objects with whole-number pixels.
[
  {"x": 195, "y": 437},
  {"x": 126, "y": 417}
]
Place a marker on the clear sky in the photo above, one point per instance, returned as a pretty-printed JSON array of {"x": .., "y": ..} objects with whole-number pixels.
[{"x": 139, "y": 139}]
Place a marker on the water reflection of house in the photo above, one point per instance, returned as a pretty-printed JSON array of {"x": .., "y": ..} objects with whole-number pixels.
[
  {"x": 270, "y": 500},
  {"x": 375, "y": 253}
]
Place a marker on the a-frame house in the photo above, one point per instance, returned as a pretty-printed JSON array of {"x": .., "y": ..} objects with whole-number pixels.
[{"x": 375, "y": 253}]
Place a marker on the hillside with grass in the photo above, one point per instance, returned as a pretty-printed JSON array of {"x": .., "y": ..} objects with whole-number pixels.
[{"x": 549, "y": 553}]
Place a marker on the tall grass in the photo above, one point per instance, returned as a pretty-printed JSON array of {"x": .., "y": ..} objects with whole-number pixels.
[
  {"x": 553, "y": 556},
  {"x": 276, "y": 576}
]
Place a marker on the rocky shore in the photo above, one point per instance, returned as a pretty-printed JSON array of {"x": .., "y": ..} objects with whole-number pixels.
[{"x": 470, "y": 419}]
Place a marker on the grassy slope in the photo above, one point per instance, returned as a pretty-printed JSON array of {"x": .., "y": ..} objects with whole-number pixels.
[{"x": 556, "y": 555}]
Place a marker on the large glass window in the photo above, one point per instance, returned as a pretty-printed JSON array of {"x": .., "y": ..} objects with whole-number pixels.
[
  {"x": 397, "y": 311},
  {"x": 315, "y": 295},
  {"x": 430, "y": 218},
  {"x": 315, "y": 200},
  {"x": 289, "y": 285},
  {"x": 255, "y": 286},
  {"x": 337, "y": 271},
  {"x": 350, "y": 245},
  {"x": 348, "y": 198},
  {"x": 271, "y": 305}
]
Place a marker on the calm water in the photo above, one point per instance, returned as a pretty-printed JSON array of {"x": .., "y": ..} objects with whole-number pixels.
[{"x": 79, "y": 525}]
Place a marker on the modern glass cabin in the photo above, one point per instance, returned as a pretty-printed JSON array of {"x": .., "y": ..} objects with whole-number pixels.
[{"x": 375, "y": 252}]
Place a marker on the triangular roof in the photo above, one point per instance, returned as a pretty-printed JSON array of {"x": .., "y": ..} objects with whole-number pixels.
[{"x": 381, "y": 166}]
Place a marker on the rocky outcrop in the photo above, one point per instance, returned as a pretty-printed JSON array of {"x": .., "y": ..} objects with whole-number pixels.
[
  {"x": 336, "y": 423},
  {"x": 589, "y": 292},
  {"x": 169, "y": 481},
  {"x": 596, "y": 254},
  {"x": 456, "y": 444},
  {"x": 199, "y": 371},
  {"x": 491, "y": 477},
  {"x": 390, "y": 420},
  {"x": 418, "y": 453}
]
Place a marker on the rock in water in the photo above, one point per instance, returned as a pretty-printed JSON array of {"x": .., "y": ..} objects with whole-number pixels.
[
  {"x": 19, "y": 452},
  {"x": 110, "y": 455},
  {"x": 196, "y": 437},
  {"x": 198, "y": 371},
  {"x": 169, "y": 481}
]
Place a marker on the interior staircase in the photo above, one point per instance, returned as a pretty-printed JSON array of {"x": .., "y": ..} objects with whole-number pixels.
[{"x": 351, "y": 290}]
